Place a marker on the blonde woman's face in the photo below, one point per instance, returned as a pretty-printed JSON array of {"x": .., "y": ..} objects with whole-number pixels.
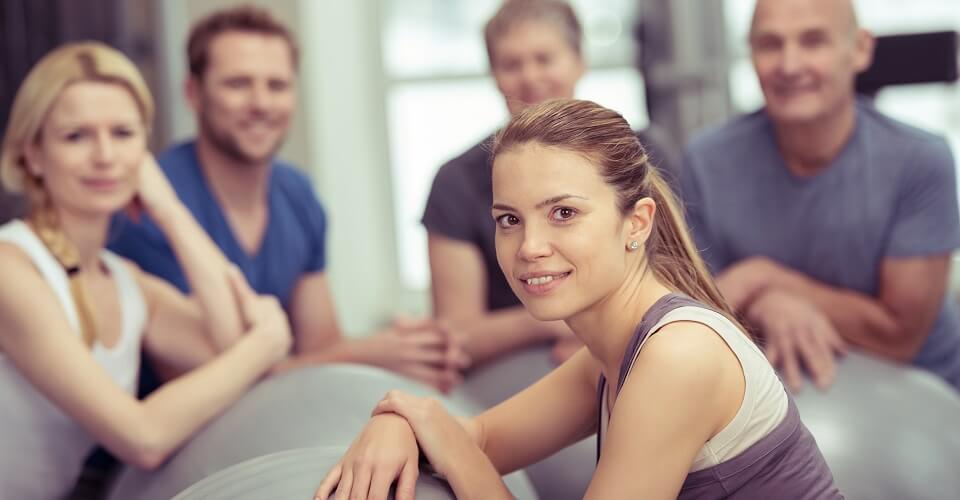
[
  {"x": 533, "y": 63},
  {"x": 90, "y": 149},
  {"x": 560, "y": 239}
]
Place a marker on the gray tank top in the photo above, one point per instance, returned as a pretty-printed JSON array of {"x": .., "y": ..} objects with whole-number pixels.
[{"x": 785, "y": 463}]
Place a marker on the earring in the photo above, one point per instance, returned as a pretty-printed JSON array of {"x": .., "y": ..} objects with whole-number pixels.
[{"x": 634, "y": 245}]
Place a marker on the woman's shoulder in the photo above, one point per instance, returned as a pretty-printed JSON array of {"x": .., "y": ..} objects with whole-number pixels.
[
  {"x": 689, "y": 360},
  {"x": 12, "y": 254},
  {"x": 684, "y": 342}
]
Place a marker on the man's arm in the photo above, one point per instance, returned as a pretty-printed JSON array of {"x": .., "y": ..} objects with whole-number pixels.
[
  {"x": 416, "y": 349},
  {"x": 912, "y": 276},
  {"x": 893, "y": 325},
  {"x": 313, "y": 315}
]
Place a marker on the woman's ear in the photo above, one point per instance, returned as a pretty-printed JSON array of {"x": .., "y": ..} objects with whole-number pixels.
[
  {"x": 31, "y": 160},
  {"x": 639, "y": 222}
]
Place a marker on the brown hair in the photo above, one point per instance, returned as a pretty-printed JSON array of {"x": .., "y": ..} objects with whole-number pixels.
[
  {"x": 46, "y": 81},
  {"x": 514, "y": 12},
  {"x": 245, "y": 18},
  {"x": 606, "y": 138}
]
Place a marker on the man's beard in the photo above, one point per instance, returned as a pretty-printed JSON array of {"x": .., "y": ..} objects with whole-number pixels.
[{"x": 228, "y": 146}]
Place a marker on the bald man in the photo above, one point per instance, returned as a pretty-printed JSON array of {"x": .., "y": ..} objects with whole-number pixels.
[{"x": 827, "y": 223}]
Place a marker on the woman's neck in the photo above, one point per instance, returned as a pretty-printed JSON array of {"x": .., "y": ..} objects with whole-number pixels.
[{"x": 607, "y": 327}]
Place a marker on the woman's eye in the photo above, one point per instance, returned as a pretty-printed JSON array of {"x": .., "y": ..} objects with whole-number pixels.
[
  {"x": 74, "y": 136},
  {"x": 507, "y": 220},
  {"x": 564, "y": 213}
]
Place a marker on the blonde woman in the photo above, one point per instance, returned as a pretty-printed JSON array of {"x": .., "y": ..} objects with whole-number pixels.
[
  {"x": 687, "y": 407},
  {"x": 74, "y": 317}
]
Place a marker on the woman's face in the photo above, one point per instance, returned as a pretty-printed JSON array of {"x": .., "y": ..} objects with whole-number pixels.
[
  {"x": 560, "y": 238},
  {"x": 533, "y": 62},
  {"x": 90, "y": 149}
]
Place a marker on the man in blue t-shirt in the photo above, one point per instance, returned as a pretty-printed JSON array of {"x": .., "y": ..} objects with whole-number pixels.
[
  {"x": 827, "y": 223},
  {"x": 262, "y": 212}
]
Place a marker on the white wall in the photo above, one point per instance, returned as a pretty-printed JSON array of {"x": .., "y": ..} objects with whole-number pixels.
[{"x": 338, "y": 137}]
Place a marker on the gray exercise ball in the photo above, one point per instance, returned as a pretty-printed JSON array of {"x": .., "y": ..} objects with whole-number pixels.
[
  {"x": 319, "y": 406},
  {"x": 888, "y": 432},
  {"x": 292, "y": 474},
  {"x": 566, "y": 474}
]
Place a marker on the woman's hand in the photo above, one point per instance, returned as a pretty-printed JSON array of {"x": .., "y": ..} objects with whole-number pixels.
[
  {"x": 262, "y": 316},
  {"x": 154, "y": 192},
  {"x": 384, "y": 451},
  {"x": 448, "y": 446}
]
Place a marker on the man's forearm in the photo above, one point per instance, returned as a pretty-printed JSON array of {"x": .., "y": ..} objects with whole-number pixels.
[
  {"x": 499, "y": 332},
  {"x": 860, "y": 319}
]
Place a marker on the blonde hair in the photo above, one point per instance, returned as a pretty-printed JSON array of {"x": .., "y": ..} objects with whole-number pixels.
[
  {"x": 514, "y": 12},
  {"x": 46, "y": 81},
  {"x": 605, "y": 137}
]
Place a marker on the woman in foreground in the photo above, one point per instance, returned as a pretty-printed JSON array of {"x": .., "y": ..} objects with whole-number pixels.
[{"x": 688, "y": 406}]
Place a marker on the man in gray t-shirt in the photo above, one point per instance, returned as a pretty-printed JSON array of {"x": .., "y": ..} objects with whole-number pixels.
[{"x": 827, "y": 223}]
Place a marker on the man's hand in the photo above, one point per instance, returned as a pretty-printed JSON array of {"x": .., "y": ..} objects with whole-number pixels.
[
  {"x": 746, "y": 280},
  {"x": 422, "y": 349},
  {"x": 796, "y": 332}
]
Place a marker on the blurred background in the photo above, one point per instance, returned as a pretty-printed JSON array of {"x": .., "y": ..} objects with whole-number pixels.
[{"x": 390, "y": 89}]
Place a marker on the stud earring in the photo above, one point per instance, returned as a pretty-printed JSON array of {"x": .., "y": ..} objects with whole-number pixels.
[{"x": 634, "y": 245}]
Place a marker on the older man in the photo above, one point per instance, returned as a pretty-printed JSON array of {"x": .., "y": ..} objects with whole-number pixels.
[{"x": 828, "y": 223}]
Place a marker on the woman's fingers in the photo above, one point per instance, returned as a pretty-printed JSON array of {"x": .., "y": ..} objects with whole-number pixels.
[
  {"x": 362, "y": 472},
  {"x": 329, "y": 483},
  {"x": 380, "y": 482},
  {"x": 345, "y": 486},
  {"x": 407, "y": 483}
]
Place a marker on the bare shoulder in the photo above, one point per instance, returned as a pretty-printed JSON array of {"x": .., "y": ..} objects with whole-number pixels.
[
  {"x": 681, "y": 343},
  {"x": 13, "y": 255},
  {"x": 17, "y": 267},
  {"x": 29, "y": 303},
  {"x": 689, "y": 359}
]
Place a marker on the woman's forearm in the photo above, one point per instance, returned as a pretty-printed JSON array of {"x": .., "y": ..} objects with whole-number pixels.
[
  {"x": 175, "y": 411},
  {"x": 206, "y": 271},
  {"x": 476, "y": 478}
]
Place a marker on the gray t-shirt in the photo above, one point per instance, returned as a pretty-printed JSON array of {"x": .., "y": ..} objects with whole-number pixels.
[
  {"x": 892, "y": 192},
  {"x": 458, "y": 206}
]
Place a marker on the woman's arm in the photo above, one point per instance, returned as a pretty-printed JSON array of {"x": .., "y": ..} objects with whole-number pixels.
[
  {"x": 459, "y": 281},
  {"x": 36, "y": 337},
  {"x": 686, "y": 385},
  {"x": 471, "y": 452},
  {"x": 553, "y": 413},
  {"x": 204, "y": 266},
  {"x": 175, "y": 336}
]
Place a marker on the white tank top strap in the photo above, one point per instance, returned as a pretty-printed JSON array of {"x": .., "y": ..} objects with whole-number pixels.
[
  {"x": 764, "y": 400},
  {"x": 17, "y": 232}
]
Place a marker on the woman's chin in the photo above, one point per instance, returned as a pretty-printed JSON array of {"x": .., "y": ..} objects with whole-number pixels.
[{"x": 547, "y": 312}]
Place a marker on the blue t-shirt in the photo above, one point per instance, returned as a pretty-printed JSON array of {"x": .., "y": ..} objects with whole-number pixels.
[
  {"x": 891, "y": 192},
  {"x": 292, "y": 245}
]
